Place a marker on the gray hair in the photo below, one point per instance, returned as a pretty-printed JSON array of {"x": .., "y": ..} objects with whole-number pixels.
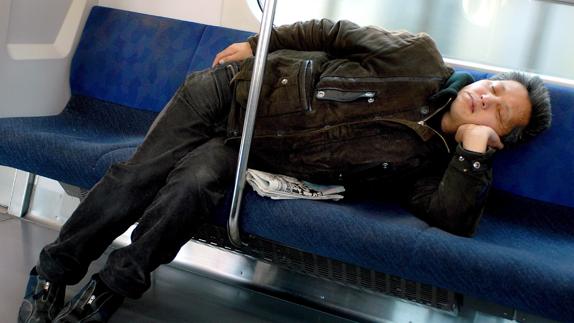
[{"x": 541, "y": 115}]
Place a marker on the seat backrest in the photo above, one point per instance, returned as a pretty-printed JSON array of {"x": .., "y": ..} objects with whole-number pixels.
[
  {"x": 544, "y": 168},
  {"x": 139, "y": 60}
]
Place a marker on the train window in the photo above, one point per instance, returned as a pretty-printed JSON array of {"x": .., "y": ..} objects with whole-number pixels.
[{"x": 532, "y": 36}]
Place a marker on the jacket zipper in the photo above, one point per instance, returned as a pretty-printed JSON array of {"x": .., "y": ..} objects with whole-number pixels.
[
  {"x": 233, "y": 71},
  {"x": 304, "y": 81},
  {"x": 423, "y": 123}
]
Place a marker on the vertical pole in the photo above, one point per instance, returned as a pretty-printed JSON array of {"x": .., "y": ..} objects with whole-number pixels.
[
  {"x": 28, "y": 194},
  {"x": 249, "y": 123}
]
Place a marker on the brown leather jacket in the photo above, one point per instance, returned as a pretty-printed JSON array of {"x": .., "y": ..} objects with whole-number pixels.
[{"x": 343, "y": 103}]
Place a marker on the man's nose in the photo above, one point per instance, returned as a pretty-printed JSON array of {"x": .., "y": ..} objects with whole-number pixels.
[{"x": 488, "y": 101}]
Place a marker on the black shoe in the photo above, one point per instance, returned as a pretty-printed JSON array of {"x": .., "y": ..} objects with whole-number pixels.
[
  {"x": 94, "y": 303},
  {"x": 43, "y": 300}
]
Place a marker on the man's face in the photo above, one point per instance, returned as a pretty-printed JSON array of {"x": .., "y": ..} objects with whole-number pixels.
[{"x": 500, "y": 105}]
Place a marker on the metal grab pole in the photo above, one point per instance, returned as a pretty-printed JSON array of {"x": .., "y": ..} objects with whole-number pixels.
[{"x": 249, "y": 123}]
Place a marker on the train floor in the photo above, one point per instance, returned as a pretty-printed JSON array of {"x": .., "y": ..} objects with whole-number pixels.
[{"x": 175, "y": 296}]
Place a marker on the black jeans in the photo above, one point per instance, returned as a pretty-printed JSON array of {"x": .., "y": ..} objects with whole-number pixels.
[{"x": 170, "y": 185}]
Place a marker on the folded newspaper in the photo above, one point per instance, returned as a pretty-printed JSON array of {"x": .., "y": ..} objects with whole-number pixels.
[{"x": 281, "y": 187}]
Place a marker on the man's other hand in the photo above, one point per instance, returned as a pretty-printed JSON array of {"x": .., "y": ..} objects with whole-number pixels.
[
  {"x": 478, "y": 138},
  {"x": 235, "y": 52}
]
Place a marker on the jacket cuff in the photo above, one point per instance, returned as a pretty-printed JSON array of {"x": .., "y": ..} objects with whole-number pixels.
[
  {"x": 252, "y": 40},
  {"x": 472, "y": 162}
]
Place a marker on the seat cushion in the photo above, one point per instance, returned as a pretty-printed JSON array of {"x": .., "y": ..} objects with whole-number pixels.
[
  {"x": 366, "y": 233},
  {"x": 522, "y": 255},
  {"x": 76, "y": 146}
]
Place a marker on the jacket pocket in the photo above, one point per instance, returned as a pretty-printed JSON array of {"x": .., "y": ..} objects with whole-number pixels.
[
  {"x": 344, "y": 95},
  {"x": 285, "y": 88},
  {"x": 306, "y": 84}
]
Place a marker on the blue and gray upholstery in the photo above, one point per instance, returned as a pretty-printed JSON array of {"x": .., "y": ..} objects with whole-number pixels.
[
  {"x": 128, "y": 65},
  {"x": 125, "y": 69}
]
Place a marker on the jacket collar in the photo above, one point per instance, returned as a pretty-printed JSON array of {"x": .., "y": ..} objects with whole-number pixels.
[{"x": 439, "y": 104}]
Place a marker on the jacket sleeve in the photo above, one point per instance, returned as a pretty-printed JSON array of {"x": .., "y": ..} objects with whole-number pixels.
[
  {"x": 340, "y": 39},
  {"x": 455, "y": 201}
]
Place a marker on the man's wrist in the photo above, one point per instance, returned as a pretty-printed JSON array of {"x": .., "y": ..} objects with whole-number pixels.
[
  {"x": 475, "y": 141},
  {"x": 475, "y": 145}
]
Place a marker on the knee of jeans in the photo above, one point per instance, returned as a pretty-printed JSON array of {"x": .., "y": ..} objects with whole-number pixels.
[
  {"x": 117, "y": 173},
  {"x": 128, "y": 173},
  {"x": 206, "y": 185},
  {"x": 204, "y": 178}
]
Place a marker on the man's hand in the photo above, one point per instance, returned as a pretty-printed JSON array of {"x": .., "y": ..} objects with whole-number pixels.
[
  {"x": 235, "y": 52},
  {"x": 477, "y": 138}
]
